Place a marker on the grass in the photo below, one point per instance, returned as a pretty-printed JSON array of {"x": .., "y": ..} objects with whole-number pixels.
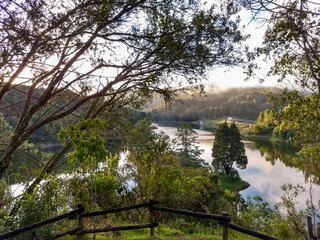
[
  {"x": 166, "y": 232},
  {"x": 233, "y": 184},
  {"x": 242, "y": 124}
]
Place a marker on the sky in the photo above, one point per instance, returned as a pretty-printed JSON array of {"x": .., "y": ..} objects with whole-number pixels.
[{"x": 226, "y": 77}]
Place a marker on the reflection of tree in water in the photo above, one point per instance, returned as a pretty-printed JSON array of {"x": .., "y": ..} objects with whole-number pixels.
[
  {"x": 308, "y": 161},
  {"x": 273, "y": 152},
  {"x": 287, "y": 154}
]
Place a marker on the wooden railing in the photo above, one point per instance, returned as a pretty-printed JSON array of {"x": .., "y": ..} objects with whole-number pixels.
[
  {"x": 45, "y": 222},
  {"x": 79, "y": 215},
  {"x": 224, "y": 220}
]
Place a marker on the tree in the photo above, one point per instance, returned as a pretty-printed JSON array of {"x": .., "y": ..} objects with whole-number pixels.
[
  {"x": 236, "y": 147},
  {"x": 141, "y": 135},
  {"x": 267, "y": 121},
  {"x": 157, "y": 173},
  {"x": 221, "y": 161},
  {"x": 186, "y": 148},
  {"x": 99, "y": 55},
  {"x": 5, "y": 129},
  {"x": 291, "y": 39},
  {"x": 292, "y": 42},
  {"x": 228, "y": 149}
]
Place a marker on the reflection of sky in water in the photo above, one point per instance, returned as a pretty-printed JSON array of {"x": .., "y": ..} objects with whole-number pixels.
[{"x": 265, "y": 179}]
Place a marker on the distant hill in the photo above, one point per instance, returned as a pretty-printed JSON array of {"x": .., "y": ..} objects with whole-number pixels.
[
  {"x": 11, "y": 106},
  {"x": 244, "y": 103}
]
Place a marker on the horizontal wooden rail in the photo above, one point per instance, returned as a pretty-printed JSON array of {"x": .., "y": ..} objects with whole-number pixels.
[
  {"x": 42, "y": 223},
  {"x": 224, "y": 220},
  {"x": 247, "y": 231},
  {"x": 115, "y": 229},
  {"x": 194, "y": 214},
  {"x": 115, "y": 210}
]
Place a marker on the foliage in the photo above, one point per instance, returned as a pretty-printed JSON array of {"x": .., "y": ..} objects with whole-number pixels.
[
  {"x": 5, "y": 129},
  {"x": 284, "y": 220},
  {"x": 157, "y": 173},
  {"x": 154, "y": 173},
  {"x": 46, "y": 202},
  {"x": 292, "y": 42},
  {"x": 94, "y": 180},
  {"x": 228, "y": 149},
  {"x": 291, "y": 39},
  {"x": 236, "y": 147},
  {"x": 186, "y": 146},
  {"x": 88, "y": 144},
  {"x": 100, "y": 55},
  {"x": 266, "y": 123},
  {"x": 288, "y": 203},
  {"x": 207, "y": 194},
  {"x": 259, "y": 216},
  {"x": 5, "y": 200},
  {"x": 275, "y": 126},
  {"x": 95, "y": 192},
  {"x": 140, "y": 135},
  {"x": 301, "y": 114}
]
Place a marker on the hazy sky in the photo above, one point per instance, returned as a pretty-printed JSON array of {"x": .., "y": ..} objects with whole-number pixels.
[{"x": 225, "y": 77}]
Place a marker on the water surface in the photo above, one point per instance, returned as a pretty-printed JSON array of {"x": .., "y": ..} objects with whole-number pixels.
[{"x": 267, "y": 170}]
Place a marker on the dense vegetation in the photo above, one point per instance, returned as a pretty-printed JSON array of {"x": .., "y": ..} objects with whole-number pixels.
[
  {"x": 80, "y": 69},
  {"x": 12, "y": 106},
  {"x": 272, "y": 124},
  {"x": 152, "y": 169}
]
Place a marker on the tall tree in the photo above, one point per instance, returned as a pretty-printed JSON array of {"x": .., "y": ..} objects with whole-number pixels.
[
  {"x": 186, "y": 146},
  {"x": 106, "y": 53},
  {"x": 220, "y": 151},
  {"x": 140, "y": 135},
  {"x": 292, "y": 42},
  {"x": 236, "y": 148},
  {"x": 228, "y": 149}
]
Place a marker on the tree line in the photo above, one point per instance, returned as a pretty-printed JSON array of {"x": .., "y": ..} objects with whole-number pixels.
[{"x": 244, "y": 103}]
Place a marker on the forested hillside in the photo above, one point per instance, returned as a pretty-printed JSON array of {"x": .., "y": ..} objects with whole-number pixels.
[
  {"x": 244, "y": 103},
  {"x": 12, "y": 106}
]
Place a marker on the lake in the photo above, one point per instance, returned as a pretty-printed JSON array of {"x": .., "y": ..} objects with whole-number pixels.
[{"x": 267, "y": 170}]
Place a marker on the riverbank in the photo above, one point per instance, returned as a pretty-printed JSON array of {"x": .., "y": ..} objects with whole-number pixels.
[
  {"x": 233, "y": 184},
  {"x": 242, "y": 124}
]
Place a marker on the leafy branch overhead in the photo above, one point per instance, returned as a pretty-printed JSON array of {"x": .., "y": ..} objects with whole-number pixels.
[
  {"x": 292, "y": 43},
  {"x": 291, "y": 40},
  {"x": 107, "y": 50}
]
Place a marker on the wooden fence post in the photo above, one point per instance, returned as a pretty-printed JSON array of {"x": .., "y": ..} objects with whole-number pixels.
[
  {"x": 80, "y": 225},
  {"x": 151, "y": 217},
  {"x": 225, "y": 229}
]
